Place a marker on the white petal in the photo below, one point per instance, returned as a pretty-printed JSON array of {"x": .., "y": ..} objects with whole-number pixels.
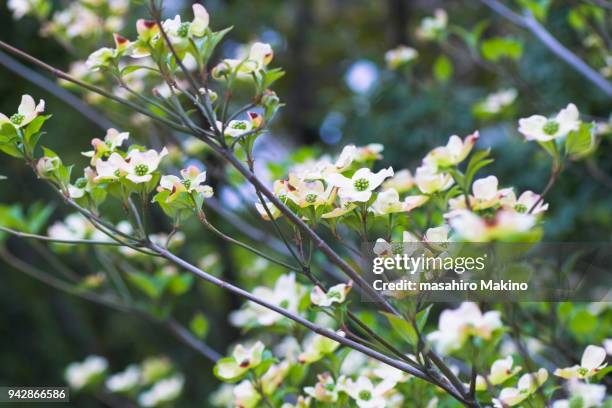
[{"x": 593, "y": 357}]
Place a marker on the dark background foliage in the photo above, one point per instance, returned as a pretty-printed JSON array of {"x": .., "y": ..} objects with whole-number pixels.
[{"x": 317, "y": 42}]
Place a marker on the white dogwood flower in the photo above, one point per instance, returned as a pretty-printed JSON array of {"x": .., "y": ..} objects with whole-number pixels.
[
  {"x": 455, "y": 151},
  {"x": 27, "y": 111},
  {"x": 124, "y": 381},
  {"x": 484, "y": 195},
  {"x": 191, "y": 181},
  {"x": 80, "y": 375},
  {"x": 287, "y": 294},
  {"x": 274, "y": 210},
  {"x": 525, "y": 202},
  {"x": 179, "y": 31},
  {"x": 432, "y": 27},
  {"x": 245, "y": 395},
  {"x": 335, "y": 294},
  {"x": 138, "y": 166},
  {"x": 473, "y": 228},
  {"x": 591, "y": 395},
  {"x": 162, "y": 392},
  {"x": 457, "y": 325},
  {"x": 241, "y": 361},
  {"x": 111, "y": 142},
  {"x": 501, "y": 371},
  {"x": 325, "y": 390},
  {"x": 527, "y": 385},
  {"x": 315, "y": 347},
  {"x": 399, "y": 56},
  {"x": 592, "y": 361},
  {"x": 543, "y": 129},
  {"x": 402, "y": 181},
  {"x": 366, "y": 394},
  {"x": 360, "y": 186},
  {"x": 496, "y": 102},
  {"x": 388, "y": 202},
  {"x": 429, "y": 181}
]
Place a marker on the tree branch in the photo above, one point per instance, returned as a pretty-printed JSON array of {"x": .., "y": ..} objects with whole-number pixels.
[{"x": 529, "y": 22}]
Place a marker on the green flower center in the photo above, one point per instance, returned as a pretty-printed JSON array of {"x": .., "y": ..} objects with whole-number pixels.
[
  {"x": 397, "y": 248},
  {"x": 311, "y": 198},
  {"x": 333, "y": 295},
  {"x": 551, "y": 127},
  {"x": 17, "y": 118},
  {"x": 282, "y": 197},
  {"x": 520, "y": 208},
  {"x": 80, "y": 183},
  {"x": 117, "y": 173},
  {"x": 284, "y": 304},
  {"x": 186, "y": 183},
  {"x": 365, "y": 395},
  {"x": 361, "y": 184},
  {"x": 141, "y": 170},
  {"x": 582, "y": 371},
  {"x": 330, "y": 387},
  {"x": 239, "y": 125},
  {"x": 183, "y": 29}
]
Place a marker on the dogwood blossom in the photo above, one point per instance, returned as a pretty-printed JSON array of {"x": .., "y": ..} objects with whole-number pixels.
[
  {"x": 496, "y": 102},
  {"x": 366, "y": 394},
  {"x": 504, "y": 225},
  {"x": 80, "y": 375},
  {"x": 429, "y": 181},
  {"x": 527, "y": 385},
  {"x": 542, "y": 129},
  {"x": 138, "y": 166},
  {"x": 245, "y": 395},
  {"x": 301, "y": 402},
  {"x": 501, "y": 371},
  {"x": 124, "y": 381},
  {"x": 286, "y": 293},
  {"x": 525, "y": 202},
  {"x": 593, "y": 359},
  {"x": 335, "y": 294},
  {"x": 180, "y": 32},
  {"x": 432, "y": 27},
  {"x": 485, "y": 194},
  {"x": 27, "y": 111},
  {"x": 259, "y": 56},
  {"x": 306, "y": 193},
  {"x": 325, "y": 390},
  {"x": 274, "y": 210},
  {"x": 457, "y": 325},
  {"x": 455, "y": 151},
  {"x": 401, "y": 181},
  {"x": 111, "y": 142},
  {"x": 191, "y": 181},
  {"x": 162, "y": 392},
  {"x": 388, "y": 202},
  {"x": 360, "y": 186},
  {"x": 590, "y": 395},
  {"x": 241, "y": 361},
  {"x": 316, "y": 347},
  {"x": 399, "y": 56}
]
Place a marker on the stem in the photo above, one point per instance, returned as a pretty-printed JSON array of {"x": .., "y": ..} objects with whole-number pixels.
[
  {"x": 241, "y": 244},
  {"x": 56, "y": 240}
]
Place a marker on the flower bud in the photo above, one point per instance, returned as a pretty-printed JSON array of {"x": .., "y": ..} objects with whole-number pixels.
[
  {"x": 46, "y": 166},
  {"x": 146, "y": 29}
]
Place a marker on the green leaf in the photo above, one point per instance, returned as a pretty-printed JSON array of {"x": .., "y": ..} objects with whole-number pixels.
[
  {"x": 180, "y": 283},
  {"x": 494, "y": 49},
  {"x": 272, "y": 76},
  {"x": 402, "y": 327},
  {"x": 583, "y": 322},
  {"x": 149, "y": 285},
  {"x": 199, "y": 325},
  {"x": 539, "y": 8},
  {"x": 581, "y": 142},
  {"x": 443, "y": 68},
  {"x": 478, "y": 160}
]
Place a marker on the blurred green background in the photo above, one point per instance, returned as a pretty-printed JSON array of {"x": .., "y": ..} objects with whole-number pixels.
[{"x": 337, "y": 91}]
